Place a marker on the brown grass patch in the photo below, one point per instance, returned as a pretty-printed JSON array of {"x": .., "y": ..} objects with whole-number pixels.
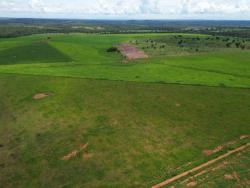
[
  {"x": 40, "y": 96},
  {"x": 87, "y": 156},
  {"x": 178, "y": 105}
]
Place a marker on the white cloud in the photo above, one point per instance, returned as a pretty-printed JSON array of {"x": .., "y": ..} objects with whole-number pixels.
[{"x": 160, "y": 8}]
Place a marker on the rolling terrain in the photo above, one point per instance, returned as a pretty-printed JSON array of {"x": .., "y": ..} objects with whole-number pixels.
[{"x": 74, "y": 115}]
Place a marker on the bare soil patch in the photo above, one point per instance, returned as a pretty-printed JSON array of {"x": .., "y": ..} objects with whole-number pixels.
[
  {"x": 242, "y": 137},
  {"x": 232, "y": 176},
  {"x": 215, "y": 150},
  {"x": 74, "y": 153},
  {"x": 40, "y": 96},
  {"x": 70, "y": 155},
  {"x": 131, "y": 52},
  {"x": 83, "y": 146},
  {"x": 191, "y": 184},
  {"x": 228, "y": 177}
]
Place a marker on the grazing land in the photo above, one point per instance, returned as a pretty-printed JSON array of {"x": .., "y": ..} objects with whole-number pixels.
[
  {"x": 73, "y": 114},
  {"x": 86, "y": 56}
]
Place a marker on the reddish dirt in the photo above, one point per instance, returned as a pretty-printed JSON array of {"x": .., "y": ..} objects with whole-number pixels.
[
  {"x": 215, "y": 150},
  {"x": 198, "y": 168},
  {"x": 220, "y": 166},
  {"x": 232, "y": 176},
  {"x": 74, "y": 153},
  {"x": 70, "y": 155},
  {"x": 191, "y": 184},
  {"x": 242, "y": 137},
  {"x": 130, "y": 52},
  {"x": 40, "y": 96},
  {"x": 83, "y": 146},
  {"x": 228, "y": 177}
]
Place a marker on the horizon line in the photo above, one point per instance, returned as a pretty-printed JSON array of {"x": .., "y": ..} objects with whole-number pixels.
[{"x": 125, "y": 19}]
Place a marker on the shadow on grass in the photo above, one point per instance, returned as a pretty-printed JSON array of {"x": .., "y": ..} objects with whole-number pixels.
[{"x": 38, "y": 52}]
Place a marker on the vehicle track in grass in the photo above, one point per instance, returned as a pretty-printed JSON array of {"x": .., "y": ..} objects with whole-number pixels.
[{"x": 196, "y": 169}]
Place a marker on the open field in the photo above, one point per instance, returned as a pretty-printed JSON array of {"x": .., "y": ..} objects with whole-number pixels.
[
  {"x": 232, "y": 172},
  {"x": 89, "y": 59},
  {"x": 158, "y": 129},
  {"x": 74, "y": 115}
]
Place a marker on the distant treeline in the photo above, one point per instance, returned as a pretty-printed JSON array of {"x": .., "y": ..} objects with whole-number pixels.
[{"x": 20, "y": 27}]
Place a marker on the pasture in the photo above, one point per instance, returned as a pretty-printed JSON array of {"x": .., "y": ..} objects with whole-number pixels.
[{"x": 74, "y": 115}]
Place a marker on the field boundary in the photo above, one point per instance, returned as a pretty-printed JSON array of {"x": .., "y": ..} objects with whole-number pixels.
[
  {"x": 177, "y": 177},
  {"x": 117, "y": 80}
]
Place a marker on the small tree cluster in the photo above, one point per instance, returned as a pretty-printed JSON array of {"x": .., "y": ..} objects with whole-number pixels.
[{"x": 112, "y": 49}]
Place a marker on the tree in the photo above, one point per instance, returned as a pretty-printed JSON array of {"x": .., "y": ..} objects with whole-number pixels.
[
  {"x": 112, "y": 49},
  {"x": 237, "y": 44},
  {"x": 228, "y": 45},
  {"x": 243, "y": 47}
]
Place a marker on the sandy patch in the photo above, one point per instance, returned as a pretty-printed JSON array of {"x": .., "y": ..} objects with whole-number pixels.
[
  {"x": 191, "y": 184},
  {"x": 74, "y": 153},
  {"x": 228, "y": 177},
  {"x": 131, "y": 52},
  {"x": 242, "y": 137},
  {"x": 70, "y": 155},
  {"x": 215, "y": 150},
  {"x": 83, "y": 146},
  {"x": 232, "y": 176},
  {"x": 220, "y": 166},
  {"x": 40, "y": 96}
]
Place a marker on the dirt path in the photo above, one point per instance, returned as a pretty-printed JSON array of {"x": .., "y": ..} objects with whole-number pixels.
[{"x": 175, "y": 178}]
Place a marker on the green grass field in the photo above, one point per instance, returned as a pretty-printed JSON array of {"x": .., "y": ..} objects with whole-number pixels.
[
  {"x": 85, "y": 56},
  {"x": 144, "y": 121},
  {"x": 232, "y": 172}
]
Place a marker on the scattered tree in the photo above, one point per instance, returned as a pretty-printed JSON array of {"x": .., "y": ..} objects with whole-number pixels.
[{"x": 112, "y": 49}]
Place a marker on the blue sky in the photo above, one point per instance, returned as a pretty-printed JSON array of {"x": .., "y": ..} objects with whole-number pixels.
[{"x": 127, "y": 9}]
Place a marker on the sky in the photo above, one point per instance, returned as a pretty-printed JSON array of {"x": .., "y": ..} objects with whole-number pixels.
[{"x": 127, "y": 9}]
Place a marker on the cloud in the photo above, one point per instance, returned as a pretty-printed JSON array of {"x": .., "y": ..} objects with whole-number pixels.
[
  {"x": 160, "y": 8},
  {"x": 37, "y": 5}
]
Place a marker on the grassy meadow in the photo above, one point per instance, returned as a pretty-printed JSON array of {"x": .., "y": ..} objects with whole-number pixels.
[
  {"x": 85, "y": 56},
  {"x": 144, "y": 120}
]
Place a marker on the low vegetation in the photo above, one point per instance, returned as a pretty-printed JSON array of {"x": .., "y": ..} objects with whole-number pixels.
[{"x": 72, "y": 114}]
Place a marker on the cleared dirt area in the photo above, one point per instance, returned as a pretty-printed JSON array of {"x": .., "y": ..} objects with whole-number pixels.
[{"x": 131, "y": 52}]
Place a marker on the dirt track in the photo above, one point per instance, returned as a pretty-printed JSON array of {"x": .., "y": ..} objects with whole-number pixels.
[{"x": 175, "y": 178}]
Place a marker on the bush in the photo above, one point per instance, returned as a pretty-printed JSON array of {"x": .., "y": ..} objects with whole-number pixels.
[
  {"x": 228, "y": 45},
  {"x": 112, "y": 49},
  {"x": 243, "y": 47}
]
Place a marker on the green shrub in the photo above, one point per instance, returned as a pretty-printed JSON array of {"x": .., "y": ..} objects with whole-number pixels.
[{"x": 112, "y": 49}]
